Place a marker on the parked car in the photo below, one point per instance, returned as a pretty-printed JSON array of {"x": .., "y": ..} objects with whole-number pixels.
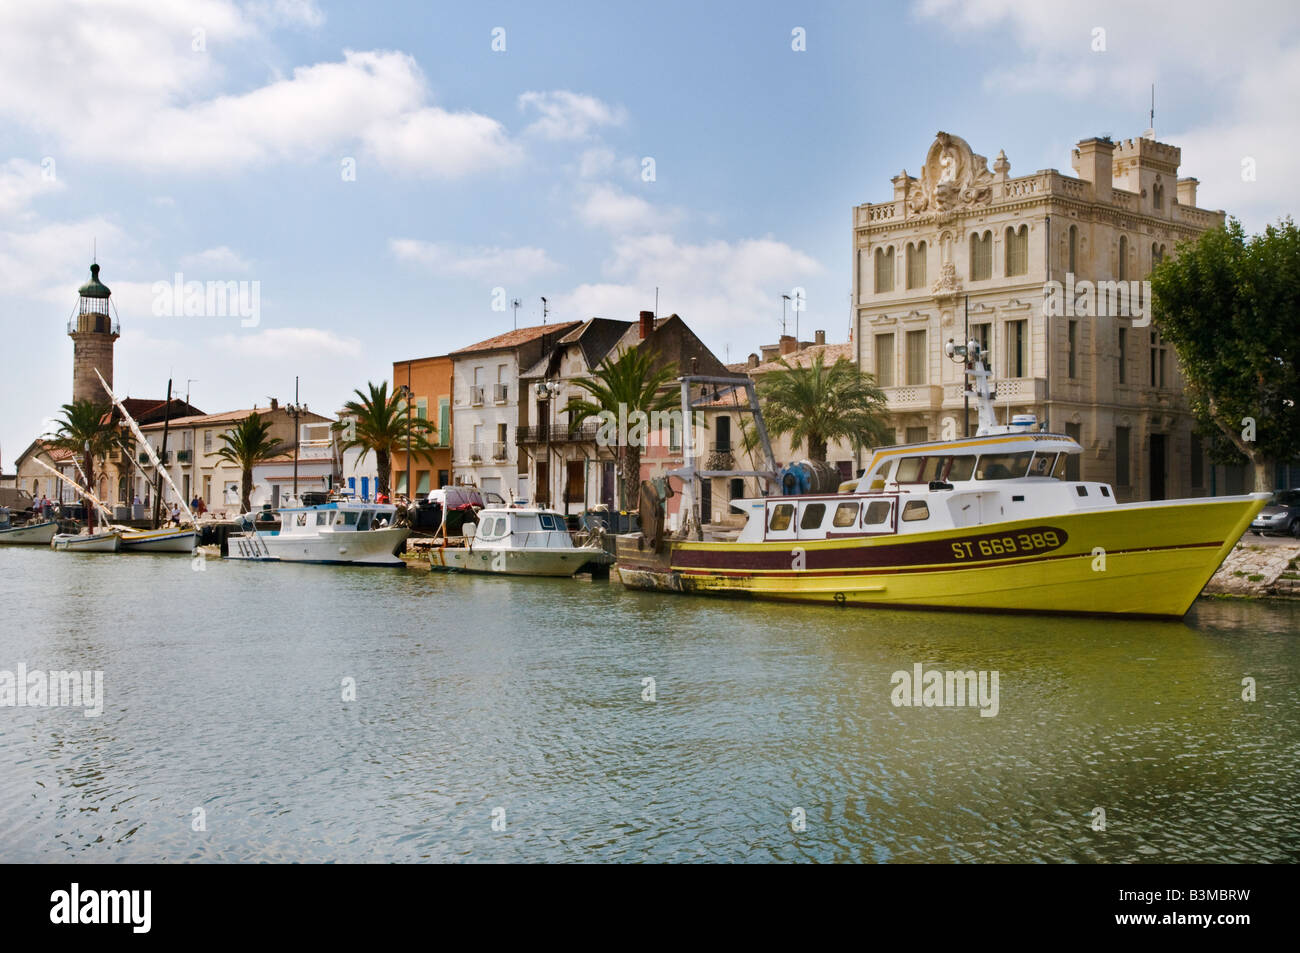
[{"x": 1280, "y": 515}]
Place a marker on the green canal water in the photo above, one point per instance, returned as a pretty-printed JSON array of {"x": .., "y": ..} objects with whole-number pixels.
[{"x": 523, "y": 701}]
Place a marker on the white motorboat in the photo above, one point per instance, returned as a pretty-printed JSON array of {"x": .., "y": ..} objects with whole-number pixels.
[
  {"x": 108, "y": 542},
  {"x": 519, "y": 541},
  {"x": 174, "y": 540},
  {"x": 29, "y": 534},
  {"x": 344, "y": 531}
]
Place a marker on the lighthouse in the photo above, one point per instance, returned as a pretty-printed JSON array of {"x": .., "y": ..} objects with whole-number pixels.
[{"x": 93, "y": 332}]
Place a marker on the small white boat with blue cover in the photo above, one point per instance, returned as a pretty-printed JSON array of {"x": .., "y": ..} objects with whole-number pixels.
[{"x": 344, "y": 531}]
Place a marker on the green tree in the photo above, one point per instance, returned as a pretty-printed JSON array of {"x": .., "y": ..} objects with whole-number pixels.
[
  {"x": 87, "y": 431},
  {"x": 247, "y": 444},
  {"x": 627, "y": 389},
  {"x": 1230, "y": 306},
  {"x": 815, "y": 404},
  {"x": 383, "y": 423}
]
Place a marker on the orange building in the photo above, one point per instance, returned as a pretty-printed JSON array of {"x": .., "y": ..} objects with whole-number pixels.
[{"x": 429, "y": 382}]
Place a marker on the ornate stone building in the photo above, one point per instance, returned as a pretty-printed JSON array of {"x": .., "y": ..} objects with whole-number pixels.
[{"x": 963, "y": 240}]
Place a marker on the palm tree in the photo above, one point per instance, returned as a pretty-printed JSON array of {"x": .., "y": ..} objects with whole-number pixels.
[
  {"x": 815, "y": 404},
  {"x": 86, "y": 429},
  {"x": 247, "y": 444},
  {"x": 619, "y": 389},
  {"x": 382, "y": 422}
]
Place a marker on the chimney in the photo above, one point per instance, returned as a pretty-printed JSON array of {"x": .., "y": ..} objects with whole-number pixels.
[
  {"x": 647, "y": 323},
  {"x": 770, "y": 353},
  {"x": 788, "y": 344},
  {"x": 1093, "y": 160},
  {"x": 1187, "y": 191},
  {"x": 819, "y": 337},
  {"x": 275, "y": 404},
  {"x": 753, "y": 361}
]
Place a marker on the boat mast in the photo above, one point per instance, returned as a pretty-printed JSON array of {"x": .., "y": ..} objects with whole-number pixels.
[{"x": 157, "y": 494}]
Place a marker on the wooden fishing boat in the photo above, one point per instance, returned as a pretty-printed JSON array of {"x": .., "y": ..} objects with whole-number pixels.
[
  {"x": 25, "y": 534},
  {"x": 988, "y": 522},
  {"x": 174, "y": 540},
  {"x": 109, "y": 542}
]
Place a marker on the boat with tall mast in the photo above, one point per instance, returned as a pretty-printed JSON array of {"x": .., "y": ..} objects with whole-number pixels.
[
  {"x": 988, "y": 522},
  {"x": 175, "y": 539}
]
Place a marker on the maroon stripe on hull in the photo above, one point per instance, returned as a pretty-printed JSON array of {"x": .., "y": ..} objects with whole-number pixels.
[
  {"x": 742, "y": 567},
  {"x": 965, "y": 550}
]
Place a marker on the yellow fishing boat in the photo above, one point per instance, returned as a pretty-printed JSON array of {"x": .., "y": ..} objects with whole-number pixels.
[{"x": 981, "y": 523}]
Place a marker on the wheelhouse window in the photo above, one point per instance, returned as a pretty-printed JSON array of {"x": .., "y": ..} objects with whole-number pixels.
[
  {"x": 909, "y": 469},
  {"x": 812, "y": 516},
  {"x": 877, "y": 513},
  {"x": 846, "y": 514},
  {"x": 350, "y": 519},
  {"x": 782, "y": 514},
  {"x": 1044, "y": 465},
  {"x": 364, "y": 522},
  {"x": 915, "y": 510},
  {"x": 550, "y": 521},
  {"x": 1002, "y": 466}
]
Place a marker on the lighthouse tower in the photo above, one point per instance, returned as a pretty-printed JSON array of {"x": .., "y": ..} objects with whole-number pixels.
[{"x": 93, "y": 332}]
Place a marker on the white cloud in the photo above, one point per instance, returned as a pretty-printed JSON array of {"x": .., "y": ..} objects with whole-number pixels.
[
  {"x": 595, "y": 162},
  {"x": 22, "y": 181},
  {"x": 272, "y": 344},
  {"x": 50, "y": 262},
  {"x": 566, "y": 115},
  {"x": 122, "y": 82},
  {"x": 299, "y": 13},
  {"x": 499, "y": 265},
  {"x": 216, "y": 260},
  {"x": 1237, "y": 65},
  {"x": 609, "y": 207},
  {"x": 715, "y": 287}
]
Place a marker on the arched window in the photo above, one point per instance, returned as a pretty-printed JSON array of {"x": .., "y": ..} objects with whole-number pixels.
[
  {"x": 981, "y": 256},
  {"x": 884, "y": 269},
  {"x": 1074, "y": 248},
  {"x": 1123, "y": 258},
  {"x": 1017, "y": 261},
  {"x": 1157, "y": 195},
  {"x": 916, "y": 265}
]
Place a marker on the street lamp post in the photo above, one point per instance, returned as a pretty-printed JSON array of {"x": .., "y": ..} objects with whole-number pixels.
[
  {"x": 407, "y": 395},
  {"x": 546, "y": 391},
  {"x": 295, "y": 410}
]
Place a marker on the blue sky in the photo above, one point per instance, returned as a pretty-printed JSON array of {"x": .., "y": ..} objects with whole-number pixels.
[{"x": 522, "y": 169}]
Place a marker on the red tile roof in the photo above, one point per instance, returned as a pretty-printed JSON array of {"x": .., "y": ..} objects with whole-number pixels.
[{"x": 519, "y": 336}]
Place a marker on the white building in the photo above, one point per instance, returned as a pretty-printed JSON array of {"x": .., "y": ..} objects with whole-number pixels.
[{"x": 486, "y": 409}]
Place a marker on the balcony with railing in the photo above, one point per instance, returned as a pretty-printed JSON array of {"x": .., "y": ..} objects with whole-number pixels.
[
  {"x": 530, "y": 435},
  {"x": 914, "y": 397},
  {"x": 476, "y": 395},
  {"x": 720, "y": 456},
  {"x": 476, "y": 453},
  {"x": 184, "y": 456},
  {"x": 499, "y": 453},
  {"x": 501, "y": 393}
]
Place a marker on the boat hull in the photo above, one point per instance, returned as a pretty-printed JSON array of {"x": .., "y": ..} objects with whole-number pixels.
[
  {"x": 160, "y": 541},
  {"x": 514, "y": 562},
  {"x": 98, "y": 543},
  {"x": 377, "y": 547},
  {"x": 39, "y": 534},
  {"x": 1136, "y": 559}
]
